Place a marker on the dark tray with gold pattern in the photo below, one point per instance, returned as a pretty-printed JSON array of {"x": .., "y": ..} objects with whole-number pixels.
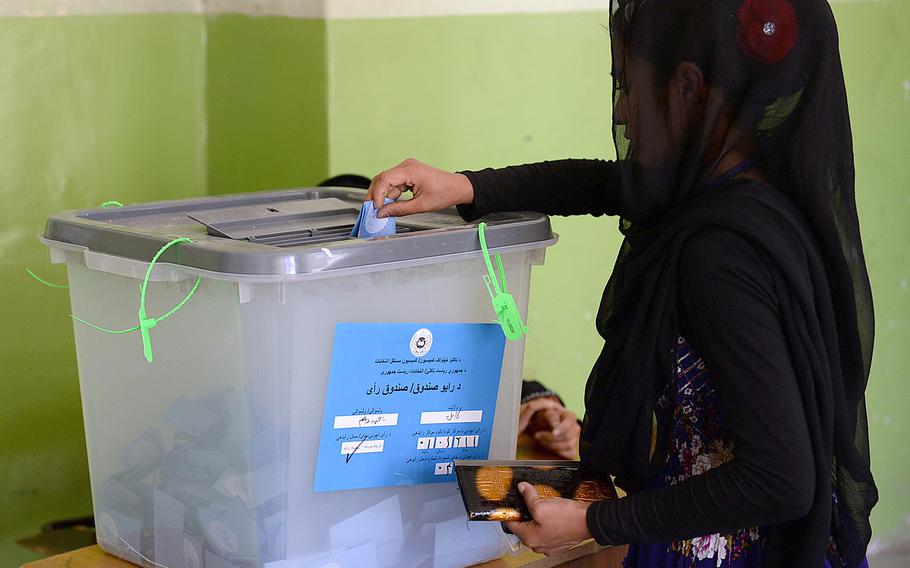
[{"x": 489, "y": 489}]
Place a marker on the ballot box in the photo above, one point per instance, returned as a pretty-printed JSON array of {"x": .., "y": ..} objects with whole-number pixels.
[{"x": 260, "y": 388}]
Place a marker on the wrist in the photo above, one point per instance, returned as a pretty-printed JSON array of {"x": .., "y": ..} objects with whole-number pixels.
[
  {"x": 584, "y": 530},
  {"x": 464, "y": 190}
]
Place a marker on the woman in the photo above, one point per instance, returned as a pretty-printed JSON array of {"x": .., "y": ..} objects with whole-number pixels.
[{"x": 737, "y": 323}]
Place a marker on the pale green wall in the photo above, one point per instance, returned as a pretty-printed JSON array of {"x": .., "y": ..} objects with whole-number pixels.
[
  {"x": 471, "y": 91},
  {"x": 266, "y": 102},
  {"x": 135, "y": 108},
  {"x": 875, "y": 47},
  {"x": 90, "y": 109}
]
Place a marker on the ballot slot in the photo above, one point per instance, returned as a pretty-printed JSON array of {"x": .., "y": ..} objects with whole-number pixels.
[{"x": 286, "y": 223}]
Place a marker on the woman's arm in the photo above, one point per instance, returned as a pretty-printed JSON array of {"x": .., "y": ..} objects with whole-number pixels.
[
  {"x": 730, "y": 301},
  {"x": 562, "y": 187}
]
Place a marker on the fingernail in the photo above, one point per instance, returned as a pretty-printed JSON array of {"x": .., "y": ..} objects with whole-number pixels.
[
  {"x": 522, "y": 487},
  {"x": 556, "y": 431}
]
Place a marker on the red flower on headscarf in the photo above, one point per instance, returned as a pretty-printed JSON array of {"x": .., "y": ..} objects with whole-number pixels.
[{"x": 767, "y": 29}]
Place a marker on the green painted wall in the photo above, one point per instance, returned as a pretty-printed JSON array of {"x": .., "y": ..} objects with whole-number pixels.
[
  {"x": 90, "y": 109},
  {"x": 134, "y": 108},
  {"x": 875, "y": 47},
  {"x": 266, "y": 101},
  {"x": 473, "y": 91}
]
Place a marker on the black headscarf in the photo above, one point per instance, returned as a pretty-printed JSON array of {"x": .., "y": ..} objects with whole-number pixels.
[{"x": 774, "y": 87}]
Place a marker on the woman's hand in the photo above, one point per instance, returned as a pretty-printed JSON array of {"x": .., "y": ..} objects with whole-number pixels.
[
  {"x": 553, "y": 426},
  {"x": 433, "y": 189},
  {"x": 558, "y": 524}
]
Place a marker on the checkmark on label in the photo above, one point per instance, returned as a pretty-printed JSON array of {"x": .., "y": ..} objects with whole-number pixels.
[
  {"x": 366, "y": 445},
  {"x": 347, "y": 458}
]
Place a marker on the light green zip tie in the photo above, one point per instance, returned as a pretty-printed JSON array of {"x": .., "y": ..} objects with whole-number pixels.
[
  {"x": 146, "y": 323},
  {"x": 507, "y": 313},
  {"x": 105, "y": 205},
  {"x": 43, "y": 281},
  {"x": 104, "y": 329}
]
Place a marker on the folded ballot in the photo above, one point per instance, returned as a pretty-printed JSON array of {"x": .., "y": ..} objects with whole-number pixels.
[{"x": 368, "y": 225}]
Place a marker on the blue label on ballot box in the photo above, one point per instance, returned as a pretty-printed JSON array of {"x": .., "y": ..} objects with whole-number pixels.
[{"x": 403, "y": 401}]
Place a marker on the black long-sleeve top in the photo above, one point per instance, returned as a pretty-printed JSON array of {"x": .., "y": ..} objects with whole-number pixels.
[{"x": 729, "y": 312}]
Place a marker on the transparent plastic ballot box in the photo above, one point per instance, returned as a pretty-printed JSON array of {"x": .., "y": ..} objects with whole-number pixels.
[{"x": 207, "y": 455}]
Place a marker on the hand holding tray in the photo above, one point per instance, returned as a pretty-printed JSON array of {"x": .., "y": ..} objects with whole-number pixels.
[{"x": 489, "y": 489}]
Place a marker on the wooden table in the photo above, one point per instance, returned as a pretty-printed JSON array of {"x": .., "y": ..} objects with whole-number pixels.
[{"x": 586, "y": 555}]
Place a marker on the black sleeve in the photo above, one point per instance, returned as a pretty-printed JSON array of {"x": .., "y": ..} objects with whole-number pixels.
[
  {"x": 729, "y": 304},
  {"x": 562, "y": 187}
]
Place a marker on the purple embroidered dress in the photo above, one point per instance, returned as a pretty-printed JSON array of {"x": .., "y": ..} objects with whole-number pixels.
[{"x": 697, "y": 443}]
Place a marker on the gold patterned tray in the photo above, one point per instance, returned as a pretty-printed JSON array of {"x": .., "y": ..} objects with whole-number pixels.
[{"x": 489, "y": 489}]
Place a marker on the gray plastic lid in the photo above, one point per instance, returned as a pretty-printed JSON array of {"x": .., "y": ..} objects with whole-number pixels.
[{"x": 285, "y": 232}]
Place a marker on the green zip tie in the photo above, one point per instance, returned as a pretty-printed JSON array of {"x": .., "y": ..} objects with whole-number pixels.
[
  {"x": 507, "y": 313},
  {"x": 146, "y": 323},
  {"x": 45, "y": 282},
  {"x": 105, "y": 205}
]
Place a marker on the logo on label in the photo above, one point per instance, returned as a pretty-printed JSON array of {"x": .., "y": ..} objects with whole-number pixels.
[{"x": 421, "y": 342}]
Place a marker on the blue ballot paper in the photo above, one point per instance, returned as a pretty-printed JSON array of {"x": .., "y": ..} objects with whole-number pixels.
[
  {"x": 368, "y": 225},
  {"x": 403, "y": 401}
]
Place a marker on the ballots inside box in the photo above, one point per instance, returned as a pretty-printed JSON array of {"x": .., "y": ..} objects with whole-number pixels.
[
  {"x": 230, "y": 531},
  {"x": 489, "y": 488},
  {"x": 194, "y": 495}
]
